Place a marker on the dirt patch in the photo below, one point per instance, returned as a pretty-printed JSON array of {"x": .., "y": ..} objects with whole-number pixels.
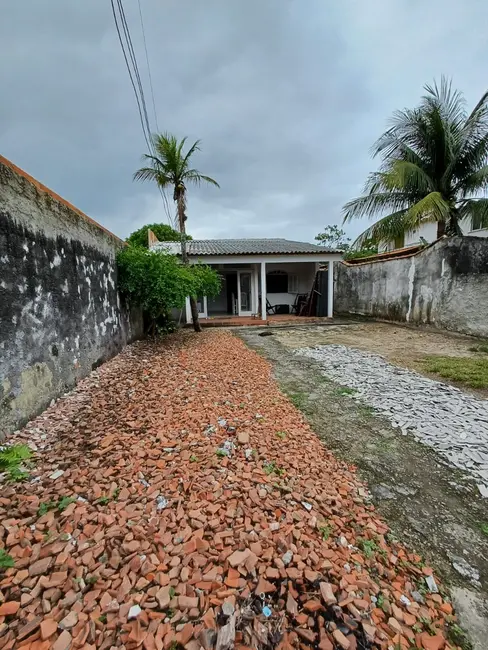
[
  {"x": 402, "y": 345},
  {"x": 430, "y": 506}
]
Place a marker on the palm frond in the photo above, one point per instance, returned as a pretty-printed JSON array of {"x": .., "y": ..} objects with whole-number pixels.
[
  {"x": 376, "y": 202},
  {"x": 152, "y": 174},
  {"x": 169, "y": 165},
  {"x": 432, "y": 207},
  {"x": 383, "y": 231},
  {"x": 390, "y": 145},
  {"x": 450, "y": 103},
  {"x": 195, "y": 147},
  {"x": 193, "y": 176},
  {"x": 475, "y": 182},
  {"x": 434, "y": 157},
  {"x": 477, "y": 210},
  {"x": 475, "y": 154},
  {"x": 406, "y": 176}
]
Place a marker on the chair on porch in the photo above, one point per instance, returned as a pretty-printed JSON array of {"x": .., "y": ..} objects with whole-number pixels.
[
  {"x": 270, "y": 309},
  {"x": 300, "y": 300}
]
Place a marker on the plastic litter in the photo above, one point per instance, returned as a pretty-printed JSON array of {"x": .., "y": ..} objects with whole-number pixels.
[{"x": 161, "y": 502}]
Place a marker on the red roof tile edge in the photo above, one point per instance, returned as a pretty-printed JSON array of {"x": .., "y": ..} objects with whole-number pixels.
[
  {"x": 56, "y": 197},
  {"x": 398, "y": 253}
]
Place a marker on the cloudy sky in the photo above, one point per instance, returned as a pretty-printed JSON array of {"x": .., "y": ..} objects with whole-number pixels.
[{"x": 287, "y": 97}]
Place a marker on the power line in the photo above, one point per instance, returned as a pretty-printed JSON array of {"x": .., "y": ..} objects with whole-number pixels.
[
  {"x": 148, "y": 66},
  {"x": 163, "y": 193},
  {"x": 135, "y": 78},
  {"x": 132, "y": 56},
  {"x": 130, "y": 76}
]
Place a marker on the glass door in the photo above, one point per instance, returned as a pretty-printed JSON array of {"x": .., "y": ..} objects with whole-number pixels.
[{"x": 244, "y": 291}]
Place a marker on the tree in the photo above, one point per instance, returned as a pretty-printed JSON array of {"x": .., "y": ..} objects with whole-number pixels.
[
  {"x": 434, "y": 168},
  {"x": 162, "y": 231},
  {"x": 333, "y": 237},
  {"x": 170, "y": 166},
  {"x": 367, "y": 248},
  {"x": 158, "y": 282}
]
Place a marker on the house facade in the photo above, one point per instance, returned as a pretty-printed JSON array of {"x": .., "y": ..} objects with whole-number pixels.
[
  {"x": 428, "y": 233},
  {"x": 259, "y": 276}
]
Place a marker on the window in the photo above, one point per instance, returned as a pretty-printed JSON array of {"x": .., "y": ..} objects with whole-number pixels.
[
  {"x": 293, "y": 284},
  {"x": 277, "y": 282},
  {"x": 476, "y": 222}
]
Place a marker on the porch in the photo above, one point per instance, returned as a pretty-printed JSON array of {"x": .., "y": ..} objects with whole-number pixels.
[{"x": 253, "y": 292}]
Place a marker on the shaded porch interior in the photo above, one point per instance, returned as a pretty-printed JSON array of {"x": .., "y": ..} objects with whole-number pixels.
[{"x": 287, "y": 286}]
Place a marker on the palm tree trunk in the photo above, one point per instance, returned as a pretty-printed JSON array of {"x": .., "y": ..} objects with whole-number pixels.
[
  {"x": 180, "y": 192},
  {"x": 441, "y": 229},
  {"x": 453, "y": 227}
]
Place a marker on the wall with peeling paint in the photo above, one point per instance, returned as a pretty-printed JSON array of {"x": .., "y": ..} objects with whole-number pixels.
[
  {"x": 60, "y": 311},
  {"x": 445, "y": 285}
]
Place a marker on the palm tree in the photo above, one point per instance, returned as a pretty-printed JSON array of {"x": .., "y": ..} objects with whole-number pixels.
[
  {"x": 170, "y": 166},
  {"x": 434, "y": 168}
]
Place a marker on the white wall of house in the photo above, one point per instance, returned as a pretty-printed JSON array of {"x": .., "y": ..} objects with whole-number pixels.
[{"x": 428, "y": 231}]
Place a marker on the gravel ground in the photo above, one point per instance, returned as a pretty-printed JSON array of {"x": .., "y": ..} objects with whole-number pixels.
[
  {"x": 441, "y": 416},
  {"x": 177, "y": 497}
]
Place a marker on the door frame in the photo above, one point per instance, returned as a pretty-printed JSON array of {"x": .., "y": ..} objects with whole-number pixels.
[{"x": 251, "y": 292}]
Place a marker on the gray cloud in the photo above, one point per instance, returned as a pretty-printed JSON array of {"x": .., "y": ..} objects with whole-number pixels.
[{"x": 287, "y": 97}]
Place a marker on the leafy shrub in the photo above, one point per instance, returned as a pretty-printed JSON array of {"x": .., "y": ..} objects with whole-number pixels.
[
  {"x": 162, "y": 231},
  {"x": 158, "y": 282}
]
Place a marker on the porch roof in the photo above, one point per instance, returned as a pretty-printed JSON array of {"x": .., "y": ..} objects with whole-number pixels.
[{"x": 216, "y": 247}]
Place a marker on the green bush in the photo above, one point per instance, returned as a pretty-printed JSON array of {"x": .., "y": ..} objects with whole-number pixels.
[
  {"x": 162, "y": 231},
  {"x": 158, "y": 282}
]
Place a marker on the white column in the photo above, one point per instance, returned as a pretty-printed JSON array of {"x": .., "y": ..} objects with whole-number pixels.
[
  {"x": 255, "y": 278},
  {"x": 263, "y": 291},
  {"x": 330, "y": 290}
]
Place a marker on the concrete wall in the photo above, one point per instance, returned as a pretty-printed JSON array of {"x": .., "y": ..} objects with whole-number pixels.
[
  {"x": 445, "y": 285},
  {"x": 60, "y": 312}
]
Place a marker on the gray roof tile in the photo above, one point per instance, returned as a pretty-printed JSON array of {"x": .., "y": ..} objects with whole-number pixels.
[{"x": 245, "y": 247}]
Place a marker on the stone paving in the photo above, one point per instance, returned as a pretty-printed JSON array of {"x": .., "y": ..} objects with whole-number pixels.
[
  {"x": 451, "y": 421},
  {"x": 177, "y": 499}
]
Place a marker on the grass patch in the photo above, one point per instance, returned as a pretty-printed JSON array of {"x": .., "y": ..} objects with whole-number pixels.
[
  {"x": 484, "y": 529},
  {"x": 272, "y": 468},
  {"x": 367, "y": 411},
  {"x": 470, "y": 371},
  {"x": 61, "y": 504},
  {"x": 344, "y": 390},
  {"x": 325, "y": 531},
  {"x": 12, "y": 460},
  {"x": 483, "y": 347},
  {"x": 298, "y": 399},
  {"x": 457, "y": 636},
  {"x": 6, "y": 560},
  {"x": 281, "y": 434}
]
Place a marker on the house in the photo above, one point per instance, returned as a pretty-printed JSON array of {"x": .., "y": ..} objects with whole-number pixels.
[
  {"x": 258, "y": 275},
  {"x": 428, "y": 233}
]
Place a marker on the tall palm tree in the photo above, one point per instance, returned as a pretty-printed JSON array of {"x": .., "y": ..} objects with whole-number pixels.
[
  {"x": 434, "y": 168},
  {"x": 169, "y": 166}
]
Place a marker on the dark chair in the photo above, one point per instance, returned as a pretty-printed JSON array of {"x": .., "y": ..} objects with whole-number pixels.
[
  {"x": 270, "y": 309},
  {"x": 300, "y": 300}
]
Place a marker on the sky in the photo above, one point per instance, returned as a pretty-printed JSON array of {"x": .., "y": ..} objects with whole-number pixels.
[{"x": 287, "y": 97}]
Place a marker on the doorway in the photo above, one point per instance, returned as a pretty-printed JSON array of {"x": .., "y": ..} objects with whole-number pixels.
[
  {"x": 231, "y": 282},
  {"x": 244, "y": 293}
]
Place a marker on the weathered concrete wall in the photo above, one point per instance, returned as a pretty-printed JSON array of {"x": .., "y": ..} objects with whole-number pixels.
[
  {"x": 445, "y": 285},
  {"x": 60, "y": 312}
]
